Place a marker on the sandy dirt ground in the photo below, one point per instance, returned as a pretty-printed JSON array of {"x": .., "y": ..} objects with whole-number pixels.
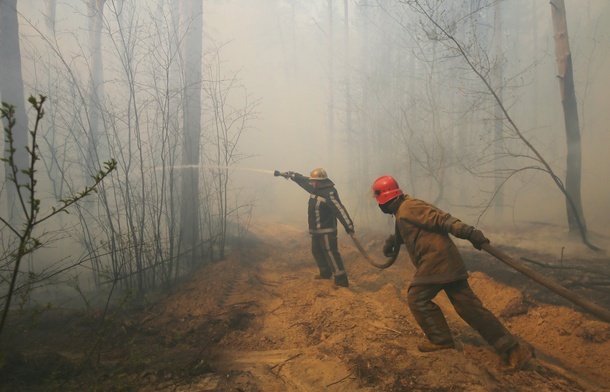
[{"x": 259, "y": 321}]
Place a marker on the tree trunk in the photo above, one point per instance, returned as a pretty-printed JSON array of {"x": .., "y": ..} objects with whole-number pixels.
[
  {"x": 192, "y": 16},
  {"x": 11, "y": 91},
  {"x": 499, "y": 116},
  {"x": 576, "y": 220},
  {"x": 348, "y": 93},
  {"x": 96, "y": 85},
  {"x": 331, "y": 84},
  {"x": 49, "y": 15}
]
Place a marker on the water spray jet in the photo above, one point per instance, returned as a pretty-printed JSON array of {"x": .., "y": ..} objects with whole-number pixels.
[{"x": 251, "y": 169}]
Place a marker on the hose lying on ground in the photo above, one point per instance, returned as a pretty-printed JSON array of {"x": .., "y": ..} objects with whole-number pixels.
[{"x": 385, "y": 265}]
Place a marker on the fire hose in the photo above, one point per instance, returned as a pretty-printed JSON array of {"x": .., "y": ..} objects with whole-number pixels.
[
  {"x": 576, "y": 299},
  {"x": 596, "y": 310},
  {"x": 385, "y": 265}
]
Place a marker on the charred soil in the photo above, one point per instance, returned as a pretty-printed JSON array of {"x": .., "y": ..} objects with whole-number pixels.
[{"x": 259, "y": 321}]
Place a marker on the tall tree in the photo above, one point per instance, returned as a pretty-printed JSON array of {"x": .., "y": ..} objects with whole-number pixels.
[
  {"x": 576, "y": 221},
  {"x": 50, "y": 136},
  {"x": 331, "y": 80},
  {"x": 192, "y": 20},
  {"x": 49, "y": 15},
  {"x": 11, "y": 91},
  {"x": 96, "y": 82},
  {"x": 480, "y": 70},
  {"x": 499, "y": 117},
  {"x": 348, "y": 88}
]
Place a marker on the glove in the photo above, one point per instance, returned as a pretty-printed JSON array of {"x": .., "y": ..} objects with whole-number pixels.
[
  {"x": 390, "y": 244},
  {"x": 477, "y": 238},
  {"x": 350, "y": 230}
]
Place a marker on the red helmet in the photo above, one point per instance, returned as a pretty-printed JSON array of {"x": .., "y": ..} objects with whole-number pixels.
[{"x": 385, "y": 188}]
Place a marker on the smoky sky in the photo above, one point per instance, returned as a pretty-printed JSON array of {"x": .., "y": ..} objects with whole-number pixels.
[{"x": 294, "y": 58}]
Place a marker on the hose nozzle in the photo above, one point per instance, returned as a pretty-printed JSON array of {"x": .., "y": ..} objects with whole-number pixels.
[{"x": 286, "y": 175}]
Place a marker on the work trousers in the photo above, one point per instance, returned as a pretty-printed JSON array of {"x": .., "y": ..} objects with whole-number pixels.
[
  {"x": 467, "y": 305},
  {"x": 325, "y": 250}
]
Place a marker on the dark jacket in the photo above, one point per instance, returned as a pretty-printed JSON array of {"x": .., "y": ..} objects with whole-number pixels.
[
  {"x": 324, "y": 206},
  {"x": 425, "y": 229}
]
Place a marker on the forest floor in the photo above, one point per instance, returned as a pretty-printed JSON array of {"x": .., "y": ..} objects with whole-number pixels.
[{"x": 259, "y": 321}]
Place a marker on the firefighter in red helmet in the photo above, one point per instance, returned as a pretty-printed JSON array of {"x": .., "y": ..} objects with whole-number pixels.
[
  {"x": 425, "y": 229},
  {"x": 324, "y": 209}
]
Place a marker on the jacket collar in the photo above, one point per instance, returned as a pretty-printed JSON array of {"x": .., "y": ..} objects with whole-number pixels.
[{"x": 395, "y": 205}]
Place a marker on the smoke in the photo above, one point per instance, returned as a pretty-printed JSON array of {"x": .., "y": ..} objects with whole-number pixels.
[
  {"x": 367, "y": 111},
  {"x": 231, "y": 168}
]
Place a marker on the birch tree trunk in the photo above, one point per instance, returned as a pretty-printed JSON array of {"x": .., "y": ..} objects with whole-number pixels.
[
  {"x": 576, "y": 221},
  {"x": 11, "y": 92}
]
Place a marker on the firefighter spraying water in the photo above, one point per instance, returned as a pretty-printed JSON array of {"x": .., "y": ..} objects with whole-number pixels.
[{"x": 323, "y": 211}]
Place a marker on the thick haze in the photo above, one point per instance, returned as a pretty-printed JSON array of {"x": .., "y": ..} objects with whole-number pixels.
[
  {"x": 280, "y": 51},
  {"x": 287, "y": 67},
  {"x": 411, "y": 103}
]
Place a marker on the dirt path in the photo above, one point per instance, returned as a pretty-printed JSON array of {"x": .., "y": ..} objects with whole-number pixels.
[
  {"x": 258, "y": 321},
  {"x": 293, "y": 333}
]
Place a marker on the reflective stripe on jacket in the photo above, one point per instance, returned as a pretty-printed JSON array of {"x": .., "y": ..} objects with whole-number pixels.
[{"x": 324, "y": 207}]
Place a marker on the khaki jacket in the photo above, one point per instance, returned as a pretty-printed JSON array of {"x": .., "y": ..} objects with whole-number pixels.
[{"x": 425, "y": 229}]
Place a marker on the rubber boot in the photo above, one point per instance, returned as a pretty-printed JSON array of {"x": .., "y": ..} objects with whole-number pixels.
[
  {"x": 518, "y": 357},
  {"x": 341, "y": 281},
  {"x": 427, "y": 347}
]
